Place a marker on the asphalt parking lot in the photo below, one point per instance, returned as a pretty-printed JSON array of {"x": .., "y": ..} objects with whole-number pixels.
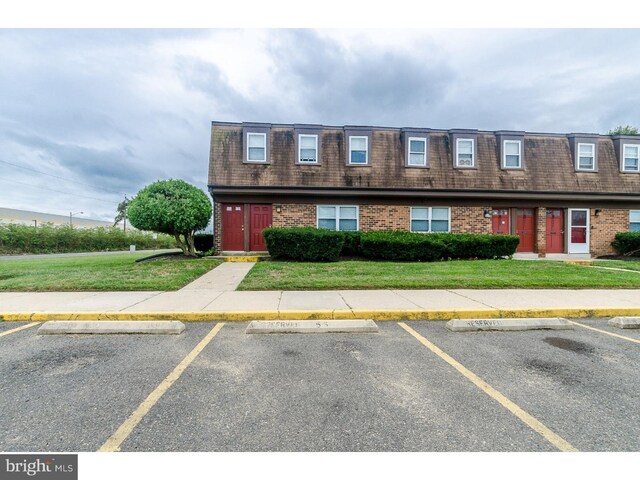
[{"x": 537, "y": 390}]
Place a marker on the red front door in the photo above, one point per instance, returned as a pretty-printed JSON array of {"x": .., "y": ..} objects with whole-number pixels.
[
  {"x": 233, "y": 227},
  {"x": 525, "y": 228},
  {"x": 500, "y": 221},
  {"x": 555, "y": 230},
  {"x": 259, "y": 218}
]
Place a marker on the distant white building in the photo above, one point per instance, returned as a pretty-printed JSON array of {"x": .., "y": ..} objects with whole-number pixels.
[{"x": 25, "y": 217}]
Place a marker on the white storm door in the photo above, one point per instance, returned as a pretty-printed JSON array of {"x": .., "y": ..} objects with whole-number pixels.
[{"x": 578, "y": 230}]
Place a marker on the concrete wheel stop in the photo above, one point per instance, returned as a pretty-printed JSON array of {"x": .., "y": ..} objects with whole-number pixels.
[
  {"x": 155, "y": 327},
  {"x": 625, "y": 322},
  {"x": 312, "y": 326},
  {"x": 508, "y": 324}
]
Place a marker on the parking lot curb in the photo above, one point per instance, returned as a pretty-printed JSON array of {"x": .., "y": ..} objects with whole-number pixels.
[
  {"x": 378, "y": 315},
  {"x": 106, "y": 327}
]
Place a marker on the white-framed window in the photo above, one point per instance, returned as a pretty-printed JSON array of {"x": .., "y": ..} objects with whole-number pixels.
[
  {"x": 307, "y": 148},
  {"x": 430, "y": 219},
  {"x": 417, "y": 152},
  {"x": 343, "y": 218},
  {"x": 586, "y": 158},
  {"x": 256, "y": 147},
  {"x": 512, "y": 154},
  {"x": 358, "y": 150},
  {"x": 634, "y": 220},
  {"x": 464, "y": 152},
  {"x": 631, "y": 158}
]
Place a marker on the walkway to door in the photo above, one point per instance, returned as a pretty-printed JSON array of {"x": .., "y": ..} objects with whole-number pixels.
[{"x": 224, "y": 278}]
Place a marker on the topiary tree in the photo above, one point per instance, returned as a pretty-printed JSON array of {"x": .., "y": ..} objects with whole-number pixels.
[
  {"x": 173, "y": 207},
  {"x": 624, "y": 130}
]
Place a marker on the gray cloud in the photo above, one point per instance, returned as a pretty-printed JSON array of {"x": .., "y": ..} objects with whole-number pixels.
[{"x": 121, "y": 108}]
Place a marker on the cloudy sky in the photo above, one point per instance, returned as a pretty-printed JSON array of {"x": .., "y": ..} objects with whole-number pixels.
[{"x": 87, "y": 116}]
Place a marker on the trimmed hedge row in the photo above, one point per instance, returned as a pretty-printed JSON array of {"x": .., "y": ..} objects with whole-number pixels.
[
  {"x": 311, "y": 244},
  {"x": 627, "y": 243},
  {"x": 47, "y": 238},
  {"x": 418, "y": 247},
  {"x": 304, "y": 243}
]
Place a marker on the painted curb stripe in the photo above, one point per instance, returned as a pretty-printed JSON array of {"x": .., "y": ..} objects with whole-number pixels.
[
  {"x": 115, "y": 441},
  {"x": 14, "y": 330},
  {"x": 381, "y": 315},
  {"x": 605, "y": 332},
  {"x": 529, "y": 420}
]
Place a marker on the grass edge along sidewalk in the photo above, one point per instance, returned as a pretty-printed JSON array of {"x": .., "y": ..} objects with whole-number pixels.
[
  {"x": 100, "y": 273},
  {"x": 470, "y": 274}
]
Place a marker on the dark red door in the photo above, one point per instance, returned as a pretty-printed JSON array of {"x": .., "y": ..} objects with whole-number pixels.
[
  {"x": 555, "y": 230},
  {"x": 525, "y": 229},
  {"x": 233, "y": 227},
  {"x": 259, "y": 218},
  {"x": 500, "y": 221}
]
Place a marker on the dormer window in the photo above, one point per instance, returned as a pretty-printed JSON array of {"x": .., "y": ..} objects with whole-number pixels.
[
  {"x": 358, "y": 150},
  {"x": 631, "y": 158},
  {"x": 464, "y": 153},
  {"x": 256, "y": 147},
  {"x": 417, "y": 152},
  {"x": 586, "y": 157},
  {"x": 307, "y": 149},
  {"x": 512, "y": 154}
]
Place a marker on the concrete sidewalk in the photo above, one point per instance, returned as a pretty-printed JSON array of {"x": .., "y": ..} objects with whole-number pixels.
[{"x": 192, "y": 304}]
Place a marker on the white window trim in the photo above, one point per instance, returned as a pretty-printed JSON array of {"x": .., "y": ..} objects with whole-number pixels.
[
  {"x": 593, "y": 157},
  {"x": 624, "y": 147},
  {"x": 504, "y": 154},
  {"x": 424, "y": 155},
  {"x": 338, "y": 207},
  {"x": 305, "y": 162},
  {"x": 430, "y": 219},
  {"x": 263, "y": 135},
  {"x": 366, "y": 151},
  {"x": 473, "y": 152}
]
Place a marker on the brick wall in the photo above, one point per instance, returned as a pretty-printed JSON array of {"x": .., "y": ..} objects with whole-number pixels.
[
  {"x": 294, "y": 215},
  {"x": 384, "y": 217},
  {"x": 541, "y": 232},
  {"x": 217, "y": 228},
  {"x": 604, "y": 226},
  {"x": 470, "y": 220}
]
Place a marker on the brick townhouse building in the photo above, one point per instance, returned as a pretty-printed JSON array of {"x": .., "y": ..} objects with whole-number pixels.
[{"x": 560, "y": 193}]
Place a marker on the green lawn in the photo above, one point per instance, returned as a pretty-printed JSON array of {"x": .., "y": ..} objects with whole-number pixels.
[
  {"x": 627, "y": 265},
  {"x": 280, "y": 275},
  {"x": 99, "y": 273}
]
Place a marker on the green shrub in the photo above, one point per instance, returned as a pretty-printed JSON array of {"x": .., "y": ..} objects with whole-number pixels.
[
  {"x": 203, "y": 241},
  {"x": 47, "y": 238},
  {"x": 402, "y": 246},
  {"x": 418, "y": 247},
  {"x": 469, "y": 245},
  {"x": 304, "y": 244},
  {"x": 352, "y": 246},
  {"x": 627, "y": 243}
]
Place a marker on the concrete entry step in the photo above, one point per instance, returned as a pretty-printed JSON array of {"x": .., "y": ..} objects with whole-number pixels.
[
  {"x": 508, "y": 324},
  {"x": 312, "y": 326},
  {"x": 157, "y": 327},
  {"x": 625, "y": 322}
]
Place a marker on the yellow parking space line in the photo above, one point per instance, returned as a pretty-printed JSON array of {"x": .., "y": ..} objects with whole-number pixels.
[
  {"x": 529, "y": 420},
  {"x": 114, "y": 442},
  {"x": 23, "y": 327},
  {"x": 635, "y": 340}
]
